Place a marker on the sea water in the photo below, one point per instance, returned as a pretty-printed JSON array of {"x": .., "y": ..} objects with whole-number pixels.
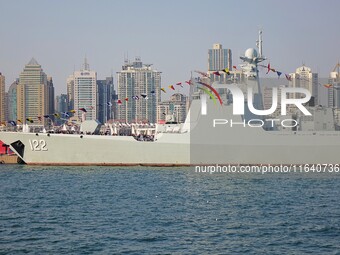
[{"x": 140, "y": 210}]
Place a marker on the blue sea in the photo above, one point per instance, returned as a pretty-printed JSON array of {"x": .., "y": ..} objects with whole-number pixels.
[{"x": 141, "y": 210}]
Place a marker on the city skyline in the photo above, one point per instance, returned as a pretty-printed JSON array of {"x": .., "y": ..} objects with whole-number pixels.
[{"x": 175, "y": 39}]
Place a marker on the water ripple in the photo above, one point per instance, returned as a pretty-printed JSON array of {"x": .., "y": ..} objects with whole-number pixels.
[{"x": 103, "y": 210}]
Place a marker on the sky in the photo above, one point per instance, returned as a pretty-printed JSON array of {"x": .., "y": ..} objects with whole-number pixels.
[{"x": 174, "y": 35}]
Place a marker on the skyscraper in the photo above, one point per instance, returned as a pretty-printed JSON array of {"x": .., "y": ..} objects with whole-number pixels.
[
  {"x": 333, "y": 92},
  {"x": 219, "y": 59},
  {"x": 139, "y": 91},
  {"x": 6, "y": 106},
  {"x": 105, "y": 99},
  {"x": 60, "y": 107},
  {"x": 85, "y": 92},
  {"x": 70, "y": 92},
  {"x": 61, "y": 103},
  {"x": 50, "y": 89},
  {"x": 2, "y": 99},
  {"x": 33, "y": 93},
  {"x": 12, "y": 101},
  {"x": 304, "y": 78}
]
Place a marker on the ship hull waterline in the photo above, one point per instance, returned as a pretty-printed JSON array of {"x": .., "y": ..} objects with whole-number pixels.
[{"x": 173, "y": 150}]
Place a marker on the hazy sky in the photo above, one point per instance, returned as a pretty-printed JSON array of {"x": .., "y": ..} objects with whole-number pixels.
[{"x": 172, "y": 35}]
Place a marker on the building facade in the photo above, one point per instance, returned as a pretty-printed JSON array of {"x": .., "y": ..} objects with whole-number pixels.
[
  {"x": 2, "y": 99},
  {"x": 50, "y": 88},
  {"x": 105, "y": 99},
  {"x": 6, "y": 106},
  {"x": 333, "y": 92},
  {"x": 219, "y": 59},
  {"x": 138, "y": 92},
  {"x": 61, "y": 103},
  {"x": 174, "y": 110},
  {"x": 85, "y": 92},
  {"x": 12, "y": 101},
  {"x": 33, "y": 94},
  {"x": 305, "y": 78},
  {"x": 70, "y": 92}
]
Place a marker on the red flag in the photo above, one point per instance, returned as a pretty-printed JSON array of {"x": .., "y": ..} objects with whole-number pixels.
[
  {"x": 126, "y": 99},
  {"x": 82, "y": 109},
  {"x": 202, "y": 73},
  {"x": 217, "y": 73},
  {"x": 179, "y": 83},
  {"x": 119, "y": 101},
  {"x": 268, "y": 68},
  {"x": 235, "y": 67}
]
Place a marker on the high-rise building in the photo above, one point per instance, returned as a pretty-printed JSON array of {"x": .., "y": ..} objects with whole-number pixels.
[
  {"x": 70, "y": 92},
  {"x": 219, "y": 59},
  {"x": 12, "y": 101},
  {"x": 304, "y": 78},
  {"x": 50, "y": 88},
  {"x": 85, "y": 92},
  {"x": 60, "y": 107},
  {"x": 140, "y": 85},
  {"x": 6, "y": 106},
  {"x": 33, "y": 94},
  {"x": 2, "y": 99},
  {"x": 176, "y": 108},
  {"x": 333, "y": 92},
  {"x": 61, "y": 103},
  {"x": 105, "y": 99}
]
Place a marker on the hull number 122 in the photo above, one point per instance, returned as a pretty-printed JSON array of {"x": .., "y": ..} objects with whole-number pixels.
[{"x": 38, "y": 145}]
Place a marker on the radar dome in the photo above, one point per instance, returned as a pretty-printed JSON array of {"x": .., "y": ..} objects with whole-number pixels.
[{"x": 250, "y": 53}]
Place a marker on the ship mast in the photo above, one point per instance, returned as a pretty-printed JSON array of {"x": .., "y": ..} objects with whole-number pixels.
[
  {"x": 251, "y": 59},
  {"x": 259, "y": 46},
  {"x": 259, "y": 43}
]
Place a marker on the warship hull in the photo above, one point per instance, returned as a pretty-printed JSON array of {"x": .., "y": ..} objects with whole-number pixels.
[
  {"x": 201, "y": 144},
  {"x": 67, "y": 149}
]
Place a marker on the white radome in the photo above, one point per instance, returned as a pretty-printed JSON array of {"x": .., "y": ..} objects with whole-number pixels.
[{"x": 251, "y": 53}]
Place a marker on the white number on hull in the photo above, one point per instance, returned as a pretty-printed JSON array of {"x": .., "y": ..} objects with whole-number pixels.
[{"x": 38, "y": 145}]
